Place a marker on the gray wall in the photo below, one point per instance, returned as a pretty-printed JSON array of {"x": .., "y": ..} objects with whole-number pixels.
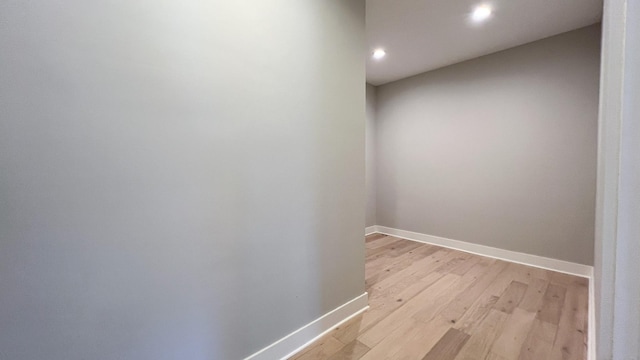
[
  {"x": 370, "y": 156},
  {"x": 499, "y": 151},
  {"x": 617, "y": 290},
  {"x": 178, "y": 180}
]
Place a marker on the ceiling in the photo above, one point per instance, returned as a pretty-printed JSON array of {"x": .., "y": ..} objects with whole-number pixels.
[{"x": 422, "y": 35}]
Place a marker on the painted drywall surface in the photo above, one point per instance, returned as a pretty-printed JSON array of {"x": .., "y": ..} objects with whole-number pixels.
[
  {"x": 178, "y": 180},
  {"x": 626, "y": 340},
  {"x": 370, "y": 163},
  {"x": 617, "y": 246},
  {"x": 608, "y": 171},
  {"x": 499, "y": 151}
]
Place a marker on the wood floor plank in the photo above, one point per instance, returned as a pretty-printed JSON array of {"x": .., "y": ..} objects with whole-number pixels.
[
  {"x": 372, "y": 237},
  {"x": 392, "y": 249},
  {"x": 513, "y": 335},
  {"x": 511, "y": 297},
  {"x": 439, "y": 302},
  {"x": 539, "y": 342},
  {"x": 552, "y": 304},
  {"x": 348, "y": 331},
  {"x": 479, "y": 344},
  {"x": 403, "y": 290},
  {"x": 462, "y": 302},
  {"x": 403, "y": 248},
  {"x": 501, "y": 282},
  {"x": 492, "y": 356},
  {"x": 385, "y": 306},
  {"x": 453, "y": 263},
  {"x": 525, "y": 274},
  {"x": 566, "y": 279},
  {"x": 571, "y": 338},
  {"x": 448, "y": 346},
  {"x": 352, "y": 351},
  {"x": 321, "y": 349},
  {"x": 394, "y": 341},
  {"x": 421, "y": 341},
  {"x": 382, "y": 291},
  {"x": 422, "y": 260},
  {"x": 378, "y": 332},
  {"x": 538, "y": 273},
  {"x": 466, "y": 265},
  {"x": 386, "y": 250},
  {"x": 382, "y": 242},
  {"x": 473, "y": 316},
  {"x": 532, "y": 299}
]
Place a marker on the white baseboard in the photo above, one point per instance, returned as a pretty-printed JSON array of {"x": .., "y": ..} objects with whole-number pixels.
[
  {"x": 508, "y": 255},
  {"x": 370, "y": 230},
  {"x": 303, "y": 337}
]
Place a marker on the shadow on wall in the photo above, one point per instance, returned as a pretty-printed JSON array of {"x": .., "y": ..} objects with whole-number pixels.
[{"x": 167, "y": 194}]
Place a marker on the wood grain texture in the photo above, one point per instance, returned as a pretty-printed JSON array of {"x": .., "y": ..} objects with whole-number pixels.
[
  {"x": 429, "y": 296},
  {"x": 428, "y": 302},
  {"x": 552, "y": 304},
  {"x": 351, "y": 351},
  {"x": 480, "y": 342},
  {"x": 511, "y": 297},
  {"x": 532, "y": 299},
  {"x": 513, "y": 335},
  {"x": 448, "y": 346},
  {"x": 539, "y": 342},
  {"x": 421, "y": 342},
  {"x": 570, "y": 342}
]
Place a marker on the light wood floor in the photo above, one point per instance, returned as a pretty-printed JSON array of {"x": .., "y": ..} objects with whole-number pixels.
[{"x": 428, "y": 302}]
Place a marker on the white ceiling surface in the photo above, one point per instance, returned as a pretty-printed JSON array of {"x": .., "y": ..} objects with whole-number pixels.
[{"x": 422, "y": 35}]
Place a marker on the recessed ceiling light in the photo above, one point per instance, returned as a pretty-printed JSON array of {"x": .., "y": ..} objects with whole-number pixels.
[
  {"x": 481, "y": 13},
  {"x": 379, "y": 54}
]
